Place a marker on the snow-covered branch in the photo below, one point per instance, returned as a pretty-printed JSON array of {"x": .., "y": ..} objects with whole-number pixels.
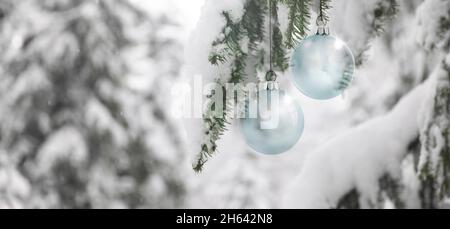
[{"x": 359, "y": 158}]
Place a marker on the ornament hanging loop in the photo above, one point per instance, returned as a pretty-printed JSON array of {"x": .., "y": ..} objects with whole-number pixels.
[{"x": 271, "y": 76}]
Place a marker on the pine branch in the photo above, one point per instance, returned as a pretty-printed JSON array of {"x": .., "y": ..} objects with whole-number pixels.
[
  {"x": 325, "y": 5},
  {"x": 215, "y": 128},
  {"x": 280, "y": 60},
  {"x": 227, "y": 49},
  {"x": 436, "y": 171},
  {"x": 231, "y": 49},
  {"x": 338, "y": 145},
  {"x": 385, "y": 11},
  {"x": 216, "y": 125},
  {"x": 299, "y": 19},
  {"x": 253, "y": 22}
]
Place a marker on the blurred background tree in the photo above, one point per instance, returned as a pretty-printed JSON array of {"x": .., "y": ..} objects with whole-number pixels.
[{"x": 81, "y": 123}]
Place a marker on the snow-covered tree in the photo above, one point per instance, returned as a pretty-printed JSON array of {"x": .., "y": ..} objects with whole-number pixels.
[{"x": 82, "y": 123}]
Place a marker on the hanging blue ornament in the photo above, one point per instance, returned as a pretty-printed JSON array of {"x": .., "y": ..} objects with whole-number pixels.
[
  {"x": 273, "y": 122},
  {"x": 322, "y": 66}
]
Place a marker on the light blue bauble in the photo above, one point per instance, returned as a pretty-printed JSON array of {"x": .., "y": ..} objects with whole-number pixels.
[
  {"x": 273, "y": 122},
  {"x": 322, "y": 67}
]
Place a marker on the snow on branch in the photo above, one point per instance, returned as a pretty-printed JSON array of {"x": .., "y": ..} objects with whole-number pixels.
[
  {"x": 359, "y": 158},
  {"x": 434, "y": 160}
]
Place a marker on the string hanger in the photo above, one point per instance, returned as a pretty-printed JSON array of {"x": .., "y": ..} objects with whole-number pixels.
[{"x": 271, "y": 76}]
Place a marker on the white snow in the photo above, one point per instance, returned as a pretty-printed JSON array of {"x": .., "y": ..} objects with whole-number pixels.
[
  {"x": 208, "y": 29},
  {"x": 197, "y": 50},
  {"x": 447, "y": 59},
  {"x": 410, "y": 183},
  {"x": 345, "y": 25},
  {"x": 99, "y": 117},
  {"x": 13, "y": 186},
  {"x": 358, "y": 158},
  {"x": 66, "y": 144}
]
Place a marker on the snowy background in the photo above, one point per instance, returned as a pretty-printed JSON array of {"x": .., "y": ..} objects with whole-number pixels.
[{"x": 86, "y": 108}]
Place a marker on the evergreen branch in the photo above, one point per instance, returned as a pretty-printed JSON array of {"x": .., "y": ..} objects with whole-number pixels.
[
  {"x": 216, "y": 124},
  {"x": 299, "y": 19},
  {"x": 229, "y": 49},
  {"x": 325, "y": 5},
  {"x": 280, "y": 60},
  {"x": 224, "y": 48},
  {"x": 385, "y": 11},
  {"x": 435, "y": 170},
  {"x": 253, "y": 22}
]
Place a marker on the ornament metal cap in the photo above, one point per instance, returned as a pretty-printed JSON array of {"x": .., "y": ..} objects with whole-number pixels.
[{"x": 271, "y": 76}]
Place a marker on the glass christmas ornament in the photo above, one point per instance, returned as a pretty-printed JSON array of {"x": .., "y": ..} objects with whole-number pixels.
[
  {"x": 322, "y": 66},
  {"x": 273, "y": 122}
]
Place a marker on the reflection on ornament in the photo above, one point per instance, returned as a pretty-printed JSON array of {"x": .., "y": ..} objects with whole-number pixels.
[
  {"x": 273, "y": 122},
  {"x": 322, "y": 67}
]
